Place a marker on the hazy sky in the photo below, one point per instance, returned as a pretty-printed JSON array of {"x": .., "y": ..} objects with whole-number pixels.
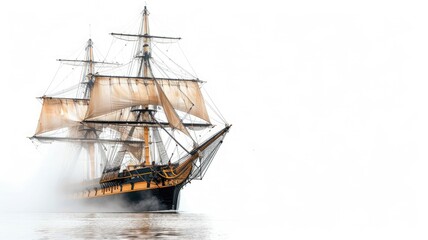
[{"x": 327, "y": 101}]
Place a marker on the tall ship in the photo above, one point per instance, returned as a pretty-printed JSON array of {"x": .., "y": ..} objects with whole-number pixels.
[{"x": 141, "y": 135}]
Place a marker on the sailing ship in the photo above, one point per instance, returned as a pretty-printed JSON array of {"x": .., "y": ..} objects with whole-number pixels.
[{"x": 142, "y": 137}]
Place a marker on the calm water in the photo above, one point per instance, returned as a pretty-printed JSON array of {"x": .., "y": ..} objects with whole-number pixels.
[{"x": 113, "y": 226}]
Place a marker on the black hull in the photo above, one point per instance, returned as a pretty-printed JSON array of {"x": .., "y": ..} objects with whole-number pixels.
[{"x": 158, "y": 199}]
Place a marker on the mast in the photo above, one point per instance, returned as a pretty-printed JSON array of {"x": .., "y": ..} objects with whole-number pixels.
[
  {"x": 87, "y": 83},
  {"x": 144, "y": 71},
  {"x": 88, "y": 63},
  {"x": 145, "y": 63},
  {"x": 90, "y": 58},
  {"x": 143, "y": 55},
  {"x": 146, "y": 46}
]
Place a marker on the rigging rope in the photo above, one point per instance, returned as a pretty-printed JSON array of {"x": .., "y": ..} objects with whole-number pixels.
[
  {"x": 218, "y": 111},
  {"x": 66, "y": 77},
  {"x": 108, "y": 51},
  {"x": 64, "y": 91},
  {"x": 179, "y": 46},
  {"x": 175, "y": 62},
  {"x": 53, "y": 79}
]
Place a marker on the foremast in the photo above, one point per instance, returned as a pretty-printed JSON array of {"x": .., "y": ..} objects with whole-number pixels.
[
  {"x": 146, "y": 112},
  {"x": 143, "y": 54},
  {"x": 144, "y": 72}
]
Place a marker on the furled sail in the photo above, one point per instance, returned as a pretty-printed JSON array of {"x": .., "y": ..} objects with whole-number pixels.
[
  {"x": 110, "y": 94},
  {"x": 59, "y": 113}
]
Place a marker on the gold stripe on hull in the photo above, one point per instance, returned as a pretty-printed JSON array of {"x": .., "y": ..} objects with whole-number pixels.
[{"x": 138, "y": 186}]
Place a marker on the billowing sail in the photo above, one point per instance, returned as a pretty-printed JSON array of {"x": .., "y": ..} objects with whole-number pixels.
[
  {"x": 171, "y": 114},
  {"x": 110, "y": 94},
  {"x": 59, "y": 113}
]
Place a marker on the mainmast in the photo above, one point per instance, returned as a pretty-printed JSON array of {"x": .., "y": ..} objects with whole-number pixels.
[
  {"x": 87, "y": 90},
  {"x": 87, "y": 81},
  {"x": 85, "y": 87},
  {"x": 89, "y": 76},
  {"x": 89, "y": 64}
]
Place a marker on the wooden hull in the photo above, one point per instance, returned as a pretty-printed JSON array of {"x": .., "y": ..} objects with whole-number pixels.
[
  {"x": 157, "y": 199},
  {"x": 150, "y": 188},
  {"x": 136, "y": 194}
]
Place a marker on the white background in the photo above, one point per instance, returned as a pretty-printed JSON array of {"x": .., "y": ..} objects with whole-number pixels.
[{"x": 327, "y": 101}]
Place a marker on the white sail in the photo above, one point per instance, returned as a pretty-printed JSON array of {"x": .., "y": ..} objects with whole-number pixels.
[
  {"x": 171, "y": 114},
  {"x": 110, "y": 94},
  {"x": 59, "y": 113}
]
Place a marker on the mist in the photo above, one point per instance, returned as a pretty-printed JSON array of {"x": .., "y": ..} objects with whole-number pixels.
[{"x": 327, "y": 101}]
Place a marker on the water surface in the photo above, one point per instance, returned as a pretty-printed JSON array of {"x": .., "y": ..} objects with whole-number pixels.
[{"x": 112, "y": 226}]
